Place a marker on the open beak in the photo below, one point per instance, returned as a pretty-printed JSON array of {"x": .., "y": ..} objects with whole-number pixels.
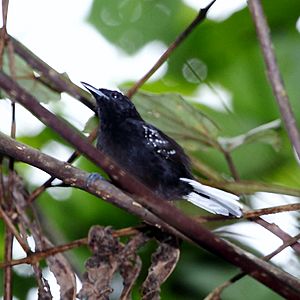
[{"x": 95, "y": 92}]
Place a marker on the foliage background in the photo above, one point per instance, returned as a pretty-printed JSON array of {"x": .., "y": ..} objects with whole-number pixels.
[{"x": 227, "y": 58}]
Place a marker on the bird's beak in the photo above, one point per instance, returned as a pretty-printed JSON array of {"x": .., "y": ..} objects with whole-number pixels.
[{"x": 95, "y": 92}]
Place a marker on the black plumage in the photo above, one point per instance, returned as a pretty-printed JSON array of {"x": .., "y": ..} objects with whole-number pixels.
[{"x": 153, "y": 157}]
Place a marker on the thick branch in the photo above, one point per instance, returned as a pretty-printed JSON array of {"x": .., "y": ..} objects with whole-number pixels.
[
  {"x": 273, "y": 277},
  {"x": 274, "y": 75}
]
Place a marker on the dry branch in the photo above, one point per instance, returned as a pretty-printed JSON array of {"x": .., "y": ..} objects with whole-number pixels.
[{"x": 279, "y": 281}]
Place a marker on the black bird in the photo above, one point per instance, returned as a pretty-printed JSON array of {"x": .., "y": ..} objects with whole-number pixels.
[{"x": 153, "y": 157}]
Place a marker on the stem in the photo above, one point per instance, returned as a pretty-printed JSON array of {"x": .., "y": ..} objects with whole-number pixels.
[
  {"x": 274, "y": 76},
  {"x": 182, "y": 36},
  {"x": 215, "y": 294},
  {"x": 8, "y": 240},
  {"x": 231, "y": 165},
  {"x": 37, "y": 256}
]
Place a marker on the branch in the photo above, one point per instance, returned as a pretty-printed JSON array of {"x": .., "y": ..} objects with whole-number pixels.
[
  {"x": 8, "y": 222},
  {"x": 8, "y": 235},
  {"x": 77, "y": 178},
  {"x": 39, "y": 255},
  {"x": 263, "y": 33},
  {"x": 253, "y": 215},
  {"x": 124, "y": 179},
  {"x": 279, "y": 281},
  {"x": 251, "y": 187},
  {"x": 286, "y": 244},
  {"x": 272, "y": 210},
  {"x": 58, "y": 81},
  {"x": 231, "y": 165},
  {"x": 199, "y": 18},
  {"x": 216, "y": 293}
]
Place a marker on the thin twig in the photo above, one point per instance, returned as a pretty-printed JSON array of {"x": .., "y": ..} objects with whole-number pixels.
[
  {"x": 11, "y": 181},
  {"x": 263, "y": 33},
  {"x": 216, "y": 293},
  {"x": 37, "y": 256},
  {"x": 3, "y": 32},
  {"x": 271, "y": 210},
  {"x": 231, "y": 165},
  {"x": 199, "y": 18},
  {"x": 282, "y": 247},
  {"x": 4, "y": 12},
  {"x": 248, "y": 186},
  {"x": 8, "y": 233},
  {"x": 8, "y": 240},
  {"x": 12, "y": 229},
  {"x": 275, "y": 229},
  {"x": 12, "y": 69},
  {"x": 255, "y": 213}
]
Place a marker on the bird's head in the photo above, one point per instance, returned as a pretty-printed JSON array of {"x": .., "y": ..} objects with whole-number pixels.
[{"x": 112, "y": 104}]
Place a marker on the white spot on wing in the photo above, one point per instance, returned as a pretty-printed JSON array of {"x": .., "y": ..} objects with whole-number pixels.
[{"x": 154, "y": 139}]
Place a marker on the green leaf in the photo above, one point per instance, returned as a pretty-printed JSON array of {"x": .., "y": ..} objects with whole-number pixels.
[
  {"x": 175, "y": 116},
  {"x": 131, "y": 24},
  {"x": 266, "y": 133},
  {"x": 30, "y": 80}
]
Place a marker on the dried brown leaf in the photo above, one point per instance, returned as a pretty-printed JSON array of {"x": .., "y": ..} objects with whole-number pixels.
[
  {"x": 164, "y": 260},
  {"x": 101, "y": 267},
  {"x": 110, "y": 256},
  {"x": 130, "y": 264}
]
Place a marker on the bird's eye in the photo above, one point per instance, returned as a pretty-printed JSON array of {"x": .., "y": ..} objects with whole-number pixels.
[{"x": 115, "y": 95}]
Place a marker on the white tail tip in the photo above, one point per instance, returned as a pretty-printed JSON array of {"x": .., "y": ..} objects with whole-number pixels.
[{"x": 213, "y": 200}]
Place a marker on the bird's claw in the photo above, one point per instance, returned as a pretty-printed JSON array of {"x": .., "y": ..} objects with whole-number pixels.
[{"x": 92, "y": 178}]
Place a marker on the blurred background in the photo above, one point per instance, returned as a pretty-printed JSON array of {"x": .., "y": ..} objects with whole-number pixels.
[{"x": 218, "y": 70}]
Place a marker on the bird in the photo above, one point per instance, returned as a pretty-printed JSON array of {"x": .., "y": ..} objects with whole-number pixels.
[{"x": 153, "y": 157}]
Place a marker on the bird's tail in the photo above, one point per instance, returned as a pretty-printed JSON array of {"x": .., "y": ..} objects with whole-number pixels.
[{"x": 213, "y": 200}]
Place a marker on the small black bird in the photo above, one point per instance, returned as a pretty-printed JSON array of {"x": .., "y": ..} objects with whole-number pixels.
[{"x": 153, "y": 157}]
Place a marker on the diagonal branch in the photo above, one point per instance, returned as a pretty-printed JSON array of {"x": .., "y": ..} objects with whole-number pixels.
[
  {"x": 60, "y": 82},
  {"x": 163, "y": 214},
  {"x": 263, "y": 33},
  {"x": 39, "y": 255},
  {"x": 216, "y": 293},
  {"x": 180, "y": 38}
]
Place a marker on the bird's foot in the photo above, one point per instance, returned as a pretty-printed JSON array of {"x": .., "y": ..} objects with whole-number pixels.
[{"x": 92, "y": 178}]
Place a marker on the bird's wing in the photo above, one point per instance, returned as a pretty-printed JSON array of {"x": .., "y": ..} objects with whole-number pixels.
[{"x": 163, "y": 145}]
